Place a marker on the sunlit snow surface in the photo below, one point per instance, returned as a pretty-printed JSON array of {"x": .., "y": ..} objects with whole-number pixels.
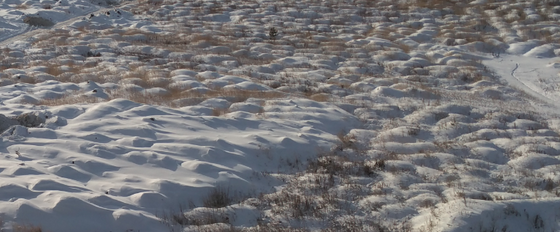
[
  {"x": 460, "y": 154},
  {"x": 537, "y": 76}
]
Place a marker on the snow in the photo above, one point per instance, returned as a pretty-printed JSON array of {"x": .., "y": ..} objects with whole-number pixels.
[
  {"x": 192, "y": 116},
  {"x": 535, "y": 76}
]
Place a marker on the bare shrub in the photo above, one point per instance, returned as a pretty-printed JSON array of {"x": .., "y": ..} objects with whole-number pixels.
[
  {"x": 212, "y": 213},
  {"x": 272, "y": 33},
  {"x": 379, "y": 165},
  {"x": 219, "y": 197},
  {"x": 339, "y": 166},
  {"x": 293, "y": 205},
  {"x": 549, "y": 184},
  {"x": 413, "y": 131},
  {"x": 328, "y": 165},
  {"x": 427, "y": 203},
  {"x": 196, "y": 217}
]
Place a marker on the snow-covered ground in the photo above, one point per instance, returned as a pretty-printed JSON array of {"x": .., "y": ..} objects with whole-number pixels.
[{"x": 235, "y": 115}]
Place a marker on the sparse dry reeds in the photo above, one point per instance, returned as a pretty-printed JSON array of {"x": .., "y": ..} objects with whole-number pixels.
[
  {"x": 22, "y": 6},
  {"x": 26, "y": 228},
  {"x": 74, "y": 97},
  {"x": 171, "y": 99}
]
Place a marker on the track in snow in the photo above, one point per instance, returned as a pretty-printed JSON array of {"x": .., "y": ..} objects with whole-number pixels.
[{"x": 526, "y": 81}]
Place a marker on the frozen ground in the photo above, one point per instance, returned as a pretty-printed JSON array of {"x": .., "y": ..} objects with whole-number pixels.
[{"x": 150, "y": 115}]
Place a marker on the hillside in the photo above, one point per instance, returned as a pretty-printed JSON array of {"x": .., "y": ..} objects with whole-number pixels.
[{"x": 261, "y": 115}]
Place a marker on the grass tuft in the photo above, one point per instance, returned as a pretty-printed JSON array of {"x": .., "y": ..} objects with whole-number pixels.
[{"x": 219, "y": 197}]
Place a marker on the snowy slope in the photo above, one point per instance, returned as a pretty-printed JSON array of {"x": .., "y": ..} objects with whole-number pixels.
[
  {"x": 363, "y": 116},
  {"x": 116, "y": 160},
  {"x": 13, "y": 13}
]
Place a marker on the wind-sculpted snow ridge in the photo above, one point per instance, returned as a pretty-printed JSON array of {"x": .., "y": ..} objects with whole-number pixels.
[{"x": 279, "y": 115}]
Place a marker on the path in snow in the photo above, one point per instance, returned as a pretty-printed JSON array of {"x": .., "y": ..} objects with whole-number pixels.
[
  {"x": 28, "y": 31},
  {"x": 530, "y": 75}
]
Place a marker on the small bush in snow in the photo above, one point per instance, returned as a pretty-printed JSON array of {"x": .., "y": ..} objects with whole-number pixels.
[
  {"x": 219, "y": 197},
  {"x": 272, "y": 33},
  {"x": 197, "y": 217}
]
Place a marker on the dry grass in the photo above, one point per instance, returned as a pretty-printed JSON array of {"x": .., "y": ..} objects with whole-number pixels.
[
  {"x": 147, "y": 5},
  {"x": 231, "y": 95},
  {"x": 26, "y": 228},
  {"x": 383, "y": 33},
  {"x": 68, "y": 71},
  {"x": 322, "y": 173},
  {"x": 53, "y": 69},
  {"x": 219, "y": 111},
  {"x": 70, "y": 98},
  {"x": 333, "y": 45},
  {"x": 530, "y": 32},
  {"x": 320, "y": 97},
  {"x": 180, "y": 40},
  {"x": 48, "y": 38},
  {"x": 22, "y": 6},
  {"x": 165, "y": 99},
  {"x": 56, "y": 69},
  {"x": 457, "y": 7},
  {"x": 6, "y": 63},
  {"x": 148, "y": 77},
  {"x": 253, "y": 61}
]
